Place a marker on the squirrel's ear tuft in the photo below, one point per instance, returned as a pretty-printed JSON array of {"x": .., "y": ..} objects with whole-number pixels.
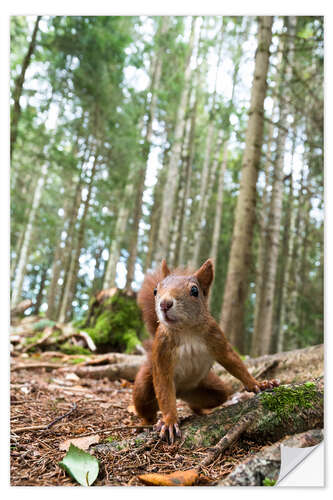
[
  {"x": 205, "y": 275},
  {"x": 165, "y": 269}
]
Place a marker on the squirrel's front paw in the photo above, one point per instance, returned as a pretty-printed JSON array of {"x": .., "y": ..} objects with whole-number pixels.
[
  {"x": 263, "y": 386},
  {"x": 168, "y": 431}
]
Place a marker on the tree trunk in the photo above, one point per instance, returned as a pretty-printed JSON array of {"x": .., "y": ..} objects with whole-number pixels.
[
  {"x": 266, "y": 307},
  {"x": 223, "y": 166},
  {"x": 189, "y": 151},
  {"x": 183, "y": 189},
  {"x": 232, "y": 317},
  {"x": 293, "y": 324},
  {"x": 155, "y": 215},
  {"x": 262, "y": 220},
  {"x": 287, "y": 260},
  {"x": 41, "y": 288},
  {"x": 68, "y": 250},
  {"x": 17, "y": 92},
  {"x": 22, "y": 262},
  {"x": 70, "y": 287},
  {"x": 200, "y": 215},
  {"x": 173, "y": 166},
  {"x": 208, "y": 194},
  {"x": 156, "y": 77},
  {"x": 114, "y": 252}
]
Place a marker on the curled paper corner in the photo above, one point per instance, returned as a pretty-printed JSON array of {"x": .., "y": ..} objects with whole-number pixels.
[{"x": 292, "y": 457}]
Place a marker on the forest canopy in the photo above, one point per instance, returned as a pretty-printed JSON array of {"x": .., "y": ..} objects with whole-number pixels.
[{"x": 137, "y": 138}]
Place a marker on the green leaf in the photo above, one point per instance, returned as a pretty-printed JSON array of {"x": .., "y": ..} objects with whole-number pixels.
[{"x": 82, "y": 466}]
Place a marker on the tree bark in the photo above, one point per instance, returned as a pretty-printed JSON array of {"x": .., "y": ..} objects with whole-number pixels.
[
  {"x": 156, "y": 77},
  {"x": 70, "y": 287},
  {"x": 287, "y": 260},
  {"x": 16, "y": 112},
  {"x": 188, "y": 200},
  {"x": 173, "y": 166},
  {"x": 232, "y": 317},
  {"x": 114, "y": 252},
  {"x": 22, "y": 262},
  {"x": 266, "y": 306},
  {"x": 39, "y": 297},
  {"x": 200, "y": 215}
]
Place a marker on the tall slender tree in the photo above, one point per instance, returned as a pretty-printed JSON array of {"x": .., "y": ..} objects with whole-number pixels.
[
  {"x": 232, "y": 317},
  {"x": 163, "y": 237}
]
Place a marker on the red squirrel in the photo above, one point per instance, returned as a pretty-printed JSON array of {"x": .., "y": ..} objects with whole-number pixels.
[{"x": 186, "y": 342}]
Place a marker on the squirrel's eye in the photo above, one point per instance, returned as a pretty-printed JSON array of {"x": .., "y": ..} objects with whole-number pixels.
[
  {"x": 194, "y": 291},
  {"x": 155, "y": 291}
]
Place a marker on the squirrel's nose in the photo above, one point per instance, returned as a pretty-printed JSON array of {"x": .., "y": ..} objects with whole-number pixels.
[{"x": 166, "y": 304}]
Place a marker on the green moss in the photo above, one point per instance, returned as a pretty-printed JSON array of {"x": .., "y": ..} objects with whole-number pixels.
[
  {"x": 35, "y": 338},
  {"x": 268, "y": 482},
  {"x": 55, "y": 360},
  {"x": 109, "y": 439},
  {"x": 68, "y": 348},
  {"x": 42, "y": 324},
  {"x": 284, "y": 400},
  {"x": 116, "y": 324},
  {"x": 75, "y": 361}
]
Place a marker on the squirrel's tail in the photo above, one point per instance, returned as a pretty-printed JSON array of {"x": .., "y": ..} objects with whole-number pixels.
[{"x": 146, "y": 300}]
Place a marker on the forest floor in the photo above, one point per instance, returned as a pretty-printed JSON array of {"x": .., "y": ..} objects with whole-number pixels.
[{"x": 103, "y": 412}]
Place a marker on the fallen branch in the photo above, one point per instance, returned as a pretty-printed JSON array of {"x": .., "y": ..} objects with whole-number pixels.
[
  {"x": 293, "y": 366},
  {"x": 112, "y": 372},
  {"x": 230, "y": 438},
  {"x": 47, "y": 333},
  {"x": 33, "y": 366}
]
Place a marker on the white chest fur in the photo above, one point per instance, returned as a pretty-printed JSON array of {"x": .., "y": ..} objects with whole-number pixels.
[{"x": 193, "y": 362}]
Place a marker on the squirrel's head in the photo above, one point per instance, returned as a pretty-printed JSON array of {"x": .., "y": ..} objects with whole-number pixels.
[{"x": 181, "y": 297}]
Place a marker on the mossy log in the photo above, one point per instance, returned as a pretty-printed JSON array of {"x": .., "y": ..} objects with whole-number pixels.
[
  {"x": 269, "y": 416},
  {"x": 288, "y": 409}
]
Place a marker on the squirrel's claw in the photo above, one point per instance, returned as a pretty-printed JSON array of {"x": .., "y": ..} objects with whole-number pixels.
[
  {"x": 263, "y": 386},
  {"x": 168, "y": 432}
]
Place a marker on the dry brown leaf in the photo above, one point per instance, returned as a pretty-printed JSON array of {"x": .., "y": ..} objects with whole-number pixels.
[
  {"x": 178, "y": 478},
  {"x": 83, "y": 443}
]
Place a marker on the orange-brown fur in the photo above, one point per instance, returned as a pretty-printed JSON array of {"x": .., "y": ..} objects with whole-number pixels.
[{"x": 186, "y": 342}]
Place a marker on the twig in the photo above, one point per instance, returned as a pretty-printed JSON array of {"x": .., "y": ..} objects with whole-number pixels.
[
  {"x": 112, "y": 429},
  {"x": 40, "y": 341},
  {"x": 231, "y": 437},
  {"x": 44, "y": 427},
  {"x": 61, "y": 417}
]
